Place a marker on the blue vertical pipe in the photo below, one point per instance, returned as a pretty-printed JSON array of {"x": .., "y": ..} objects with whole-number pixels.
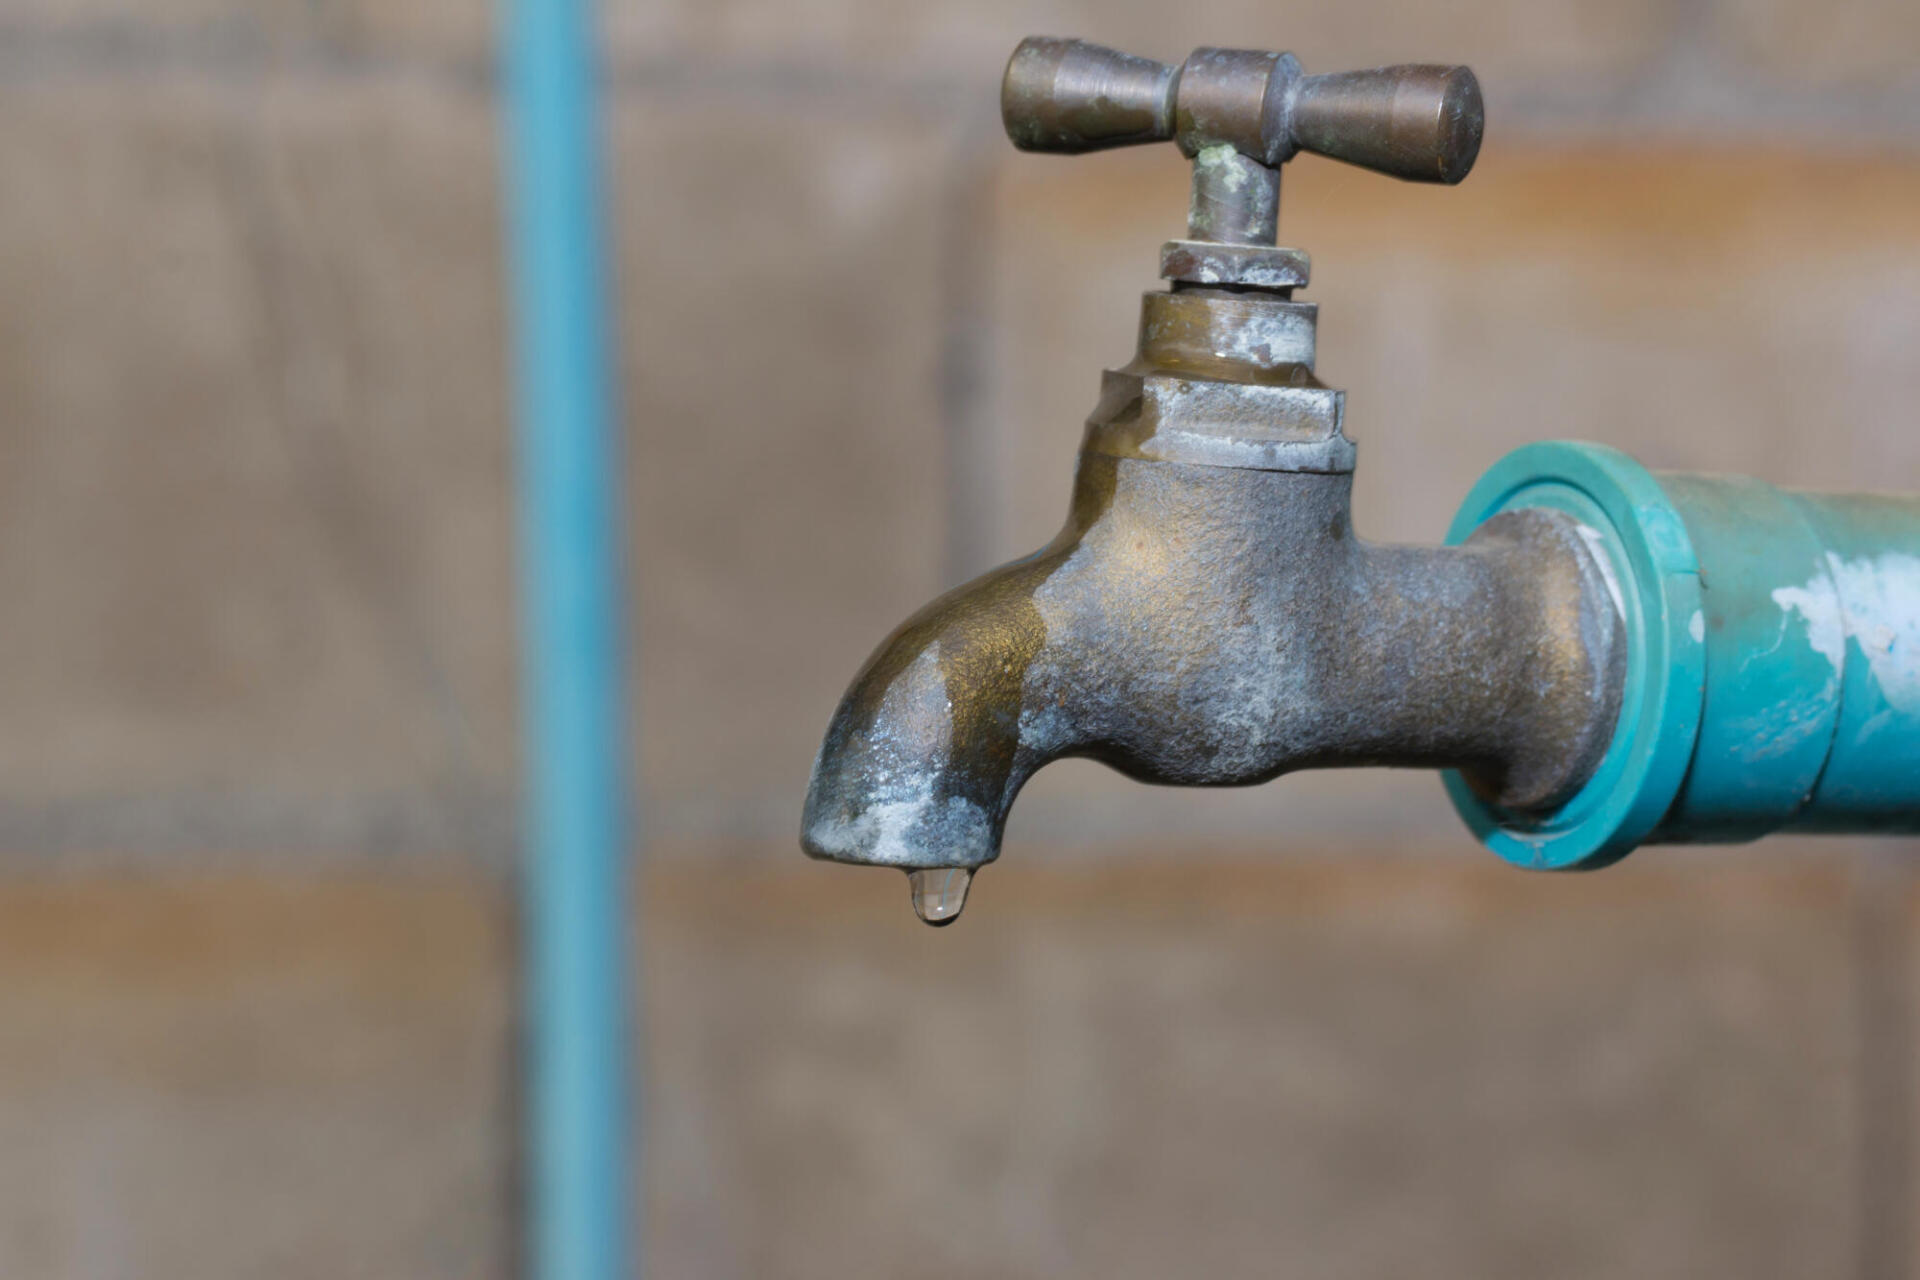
[{"x": 574, "y": 741}]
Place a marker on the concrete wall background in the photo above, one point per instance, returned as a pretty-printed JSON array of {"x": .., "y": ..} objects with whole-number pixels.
[{"x": 256, "y": 665}]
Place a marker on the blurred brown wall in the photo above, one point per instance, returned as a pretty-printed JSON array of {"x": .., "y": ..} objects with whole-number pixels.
[{"x": 257, "y": 656}]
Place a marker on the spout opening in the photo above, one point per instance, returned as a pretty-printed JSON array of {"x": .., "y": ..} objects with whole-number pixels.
[{"x": 906, "y": 826}]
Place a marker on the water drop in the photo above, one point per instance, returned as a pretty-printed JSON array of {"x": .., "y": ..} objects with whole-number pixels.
[{"x": 939, "y": 893}]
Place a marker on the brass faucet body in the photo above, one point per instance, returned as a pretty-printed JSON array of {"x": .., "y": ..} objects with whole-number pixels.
[{"x": 1207, "y": 617}]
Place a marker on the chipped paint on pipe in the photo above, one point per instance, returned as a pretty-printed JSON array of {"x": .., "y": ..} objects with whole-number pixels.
[
  {"x": 1775, "y": 658},
  {"x": 1857, "y": 611}
]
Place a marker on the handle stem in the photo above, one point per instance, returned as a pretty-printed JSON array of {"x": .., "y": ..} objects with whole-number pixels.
[{"x": 1235, "y": 200}]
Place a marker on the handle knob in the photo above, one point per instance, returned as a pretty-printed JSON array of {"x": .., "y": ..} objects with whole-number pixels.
[
  {"x": 1069, "y": 96},
  {"x": 1422, "y": 123}
]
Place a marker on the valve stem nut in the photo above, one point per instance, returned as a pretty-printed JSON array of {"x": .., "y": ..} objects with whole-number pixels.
[{"x": 1249, "y": 266}]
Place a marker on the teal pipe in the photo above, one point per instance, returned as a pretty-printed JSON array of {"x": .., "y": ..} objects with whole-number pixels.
[
  {"x": 1773, "y": 675},
  {"x": 574, "y": 759}
]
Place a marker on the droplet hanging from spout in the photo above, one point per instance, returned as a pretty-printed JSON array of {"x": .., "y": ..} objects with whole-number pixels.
[{"x": 939, "y": 893}]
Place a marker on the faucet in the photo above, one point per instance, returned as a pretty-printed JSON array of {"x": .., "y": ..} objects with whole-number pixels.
[{"x": 1599, "y": 657}]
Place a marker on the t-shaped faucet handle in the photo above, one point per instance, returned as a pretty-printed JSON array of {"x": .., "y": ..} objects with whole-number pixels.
[{"x": 1239, "y": 114}]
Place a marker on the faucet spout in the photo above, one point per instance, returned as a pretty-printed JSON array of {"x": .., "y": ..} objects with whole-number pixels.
[
  {"x": 923, "y": 758},
  {"x": 958, "y": 708}
]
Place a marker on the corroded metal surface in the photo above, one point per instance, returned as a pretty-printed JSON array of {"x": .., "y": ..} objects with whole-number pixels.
[
  {"x": 1206, "y": 262},
  {"x": 1219, "y": 626},
  {"x": 1232, "y": 336},
  {"x": 1235, "y": 200},
  {"x": 1207, "y": 617}
]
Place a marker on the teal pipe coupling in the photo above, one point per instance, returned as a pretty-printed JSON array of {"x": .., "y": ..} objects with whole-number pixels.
[{"x": 1773, "y": 672}]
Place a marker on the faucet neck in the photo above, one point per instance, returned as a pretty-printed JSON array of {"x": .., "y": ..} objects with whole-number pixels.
[
  {"x": 1226, "y": 335},
  {"x": 1223, "y": 377}
]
